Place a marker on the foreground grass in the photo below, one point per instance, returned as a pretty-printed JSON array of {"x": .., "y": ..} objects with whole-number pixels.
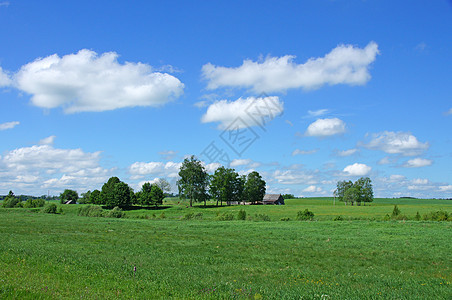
[{"x": 66, "y": 256}]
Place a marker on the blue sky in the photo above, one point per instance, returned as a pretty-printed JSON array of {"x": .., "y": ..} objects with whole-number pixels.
[{"x": 307, "y": 93}]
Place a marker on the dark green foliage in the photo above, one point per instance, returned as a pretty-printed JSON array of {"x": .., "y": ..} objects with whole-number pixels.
[
  {"x": 94, "y": 197},
  {"x": 226, "y": 185},
  {"x": 305, "y": 215},
  {"x": 396, "y": 211},
  {"x": 157, "y": 195},
  {"x": 68, "y": 195},
  {"x": 193, "y": 181},
  {"x": 90, "y": 211},
  {"x": 440, "y": 215},
  {"x": 84, "y": 198},
  {"x": 288, "y": 196},
  {"x": 241, "y": 215},
  {"x": 116, "y": 193},
  {"x": 338, "y": 218},
  {"x": 359, "y": 192},
  {"x": 34, "y": 203},
  {"x": 11, "y": 201},
  {"x": 150, "y": 194},
  {"x": 254, "y": 187},
  {"x": 50, "y": 209},
  {"x": 417, "y": 217},
  {"x": 189, "y": 216},
  {"x": 285, "y": 218},
  {"x": 116, "y": 212},
  {"x": 261, "y": 217},
  {"x": 108, "y": 191}
]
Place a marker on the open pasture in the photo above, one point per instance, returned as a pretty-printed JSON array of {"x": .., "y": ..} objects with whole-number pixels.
[{"x": 44, "y": 256}]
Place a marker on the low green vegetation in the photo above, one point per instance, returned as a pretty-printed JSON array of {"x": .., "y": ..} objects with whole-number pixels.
[{"x": 175, "y": 251}]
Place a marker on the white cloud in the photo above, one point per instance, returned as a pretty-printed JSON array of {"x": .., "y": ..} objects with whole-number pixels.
[
  {"x": 417, "y": 163},
  {"x": 396, "y": 143},
  {"x": 313, "y": 189},
  {"x": 420, "y": 181},
  {"x": 347, "y": 152},
  {"x": 251, "y": 111},
  {"x": 139, "y": 170},
  {"x": 4, "y": 79},
  {"x": 396, "y": 177},
  {"x": 86, "y": 81},
  {"x": 445, "y": 188},
  {"x": 9, "y": 125},
  {"x": 326, "y": 127},
  {"x": 48, "y": 140},
  {"x": 169, "y": 154},
  {"x": 294, "y": 177},
  {"x": 240, "y": 162},
  {"x": 357, "y": 169},
  {"x": 304, "y": 152},
  {"x": 345, "y": 64},
  {"x": 318, "y": 113},
  {"x": 38, "y": 168}
]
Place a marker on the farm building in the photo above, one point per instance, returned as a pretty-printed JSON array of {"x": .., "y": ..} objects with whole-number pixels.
[{"x": 275, "y": 199}]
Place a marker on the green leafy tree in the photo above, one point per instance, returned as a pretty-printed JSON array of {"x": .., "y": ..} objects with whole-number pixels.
[
  {"x": 145, "y": 194},
  {"x": 164, "y": 185},
  {"x": 157, "y": 195},
  {"x": 342, "y": 186},
  {"x": 121, "y": 195},
  {"x": 360, "y": 191},
  {"x": 107, "y": 193},
  {"x": 254, "y": 188},
  {"x": 85, "y": 197},
  {"x": 10, "y": 200},
  {"x": 68, "y": 195},
  {"x": 193, "y": 181},
  {"x": 226, "y": 185},
  {"x": 351, "y": 195},
  {"x": 94, "y": 197},
  {"x": 364, "y": 189}
]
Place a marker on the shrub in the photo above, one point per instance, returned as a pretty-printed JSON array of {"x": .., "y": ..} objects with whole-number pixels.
[
  {"x": 188, "y": 216},
  {"x": 33, "y": 203},
  {"x": 437, "y": 216},
  {"x": 50, "y": 209},
  {"x": 241, "y": 215},
  {"x": 11, "y": 202},
  {"x": 116, "y": 212},
  {"x": 338, "y": 218},
  {"x": 261, "y": 217},
  {"x": 162, "y": 215},
  {"x": 417, "y": 217},
  {"x": 90, "y": 211},
  {"x": 396, "y": 211},
  {"x": 305, "y": 215},
  {"x": 285, "y": 219},
  {"x": 225, "y": 217}
]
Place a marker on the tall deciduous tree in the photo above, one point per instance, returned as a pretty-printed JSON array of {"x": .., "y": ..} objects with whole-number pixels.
[
  {"x": 157, "y": 195},
  {"x": 116, "y": 193},
  {"x": 226, "y": 185},
  {"x": 94, "y": 197},
  {"x": 193, "y": 181},
  {"x": 359, "y": 191},
  {"x": 164, "y": 185},
  {"x": 254, "y": 187}
]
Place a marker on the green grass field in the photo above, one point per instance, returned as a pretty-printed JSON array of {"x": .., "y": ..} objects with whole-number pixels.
[{"x": 45, "y": 256}]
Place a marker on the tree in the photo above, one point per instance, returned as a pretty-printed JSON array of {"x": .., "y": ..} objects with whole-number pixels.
[
  {"x": 360, "y": 191},
  {"x": 115, "y": 193},
  {"x": 85, "y": 197},
  {"x": 107, "y": 191},
  {"x": 193, "y": 181},
  {"x": 94, "y": 197},
  {"x": 226, "y": 185},
  {"x": 68, "y": 195},
  {"x": 145, "y": 194},
  {"x": 157, "y": 195},
  {"x": 10, "y": 200},
  {"x": 254, "y": 187},
  {"x": 164, "y": 185}
]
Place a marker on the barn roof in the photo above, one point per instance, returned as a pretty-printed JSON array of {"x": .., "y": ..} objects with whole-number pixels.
[{"x": 271, "y": 197}]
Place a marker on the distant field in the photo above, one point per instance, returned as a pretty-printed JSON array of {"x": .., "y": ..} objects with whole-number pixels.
[{"x": 44, "y": 256}]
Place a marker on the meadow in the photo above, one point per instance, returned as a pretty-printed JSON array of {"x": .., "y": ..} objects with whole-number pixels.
[{"x": 159, "y": 254}]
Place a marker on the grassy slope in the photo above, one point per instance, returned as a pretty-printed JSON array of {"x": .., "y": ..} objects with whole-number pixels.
[{"x": 66, "y": 256}]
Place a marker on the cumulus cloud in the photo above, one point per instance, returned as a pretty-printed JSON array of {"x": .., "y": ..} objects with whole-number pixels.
[
  {"x": 345, "y": 64},
  {"x": 304, "y": 152},
  {"x": 155, "y": 168},
  {"x": 417, "y": 163},
  {"x": 396, "y": 143},
  {"x": 4, "y": 79},
  {"x": 445, "y": 188},
  {"x": 9, "y": 125},
  {"x": 294, "y": 177},
  {"x": 38, "y": 168},
  {"x": 326, "y": 127},
  {"x": 357, "y": 169},
  {"x": 251, "y": 111},
  {"x": 86, "y": 81}
]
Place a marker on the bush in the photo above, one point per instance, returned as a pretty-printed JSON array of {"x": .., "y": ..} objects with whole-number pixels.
[
  {"x": 417, "y": 217},
  {"x": 162, "y": 215},
  {"x": 241, "y": 215},
  {"x": 33, "y": 203},
  {"x": 50, "y": 209},
  {"x": 285, "y": 219},
  {"x": 437, "y": 216},
  {"x": 305, "y": 215},
  {"x": 116, "y": 212},
  {"x": 190, "y": 216},
  {"x": 90, "y": 211},
  {"x": 396, "y": 211},
  {"x": 225, "y": 217},
  {"x": 11, "y": 202},
  {"x": 261, "y": 217},
  {"x": 338, "y": 218}
]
